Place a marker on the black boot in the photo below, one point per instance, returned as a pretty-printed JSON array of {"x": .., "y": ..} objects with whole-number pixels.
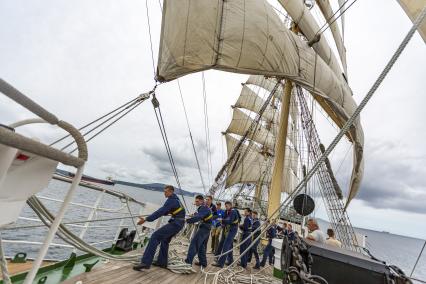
[
  {"x": 141, "y": 266},
  {"x": 159, "y": 265},
  {"x": 217, "y": 265}
]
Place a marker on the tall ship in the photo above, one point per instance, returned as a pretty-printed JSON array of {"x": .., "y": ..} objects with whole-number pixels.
[{"x": 276, "y": 161}]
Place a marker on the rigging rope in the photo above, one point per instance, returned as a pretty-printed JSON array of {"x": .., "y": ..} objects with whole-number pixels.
[
  {"x": 160, "y": 121},
  {"x": 96, "y": 120},
  {"x": 190, "y": 136},
  {"x": 106, "y": 127},
  {"x": 327, "y": 24},
  {"x": 150, "y": 38},
  {"x": 207, "y": 129},
  {"x": 342, "y": 132}
]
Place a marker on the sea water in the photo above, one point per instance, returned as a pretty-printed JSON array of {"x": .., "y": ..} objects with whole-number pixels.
[{"x": 401, "y": 251}]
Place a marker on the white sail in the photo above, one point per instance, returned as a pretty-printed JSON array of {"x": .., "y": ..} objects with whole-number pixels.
[
  {"x": 266, "y": 83},
  {"x": 241, "y": 123},
  {"x": 250, "y": 167},
  {"x": 302, "y": 16},
  {"x": 327, "y": 11},
  {"x": 413, "y": 8},
  {"x": 252, "y": 40},
  {"x": 251, "y": 101}
]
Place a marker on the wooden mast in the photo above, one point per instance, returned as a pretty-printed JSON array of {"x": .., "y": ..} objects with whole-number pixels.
[{"x": 274, "y": 198}]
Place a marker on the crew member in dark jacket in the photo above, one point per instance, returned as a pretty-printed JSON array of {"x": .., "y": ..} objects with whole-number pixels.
[
  {"x": 197, "y": 245},
  {"x": 256, "y": 234},
  {"x": 267, "y": 252},
  {"x": 245, "y": 236},
  {"x": 230, "y": 228},
  {"x": 163, "y": 236}
]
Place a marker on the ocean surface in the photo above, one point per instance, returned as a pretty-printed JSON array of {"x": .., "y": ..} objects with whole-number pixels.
[{"x": 394, "y": 249}]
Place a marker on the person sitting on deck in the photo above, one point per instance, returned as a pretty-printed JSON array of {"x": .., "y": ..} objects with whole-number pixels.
[
  {"x": 197, "y": 245},
  {"x": 230, "y": 228},
  {"x": 217, "y": 227},
  {"x": 163, "y": 235},
  {"x": 331, "y": 240},
  {"x": 246, "y": 229},
  {"x": 256, "y": 234},
  {"x": 268, "y": 251},
  {"x": 315, "y": 234}
]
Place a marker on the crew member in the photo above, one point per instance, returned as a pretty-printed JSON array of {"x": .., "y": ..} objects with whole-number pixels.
[
  {"x": 245, "y": 236},
  {"x": 230, "y": 228},
  {"x": 197, "y": 245},
  {"x": 255, "y": 239},
  {"x": 216, "y": 229},
  {"x": 267, "y": 252},
  {"x": 163, "y": 235}
]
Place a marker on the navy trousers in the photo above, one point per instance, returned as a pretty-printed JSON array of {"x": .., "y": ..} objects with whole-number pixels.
[
  {"x": 253, "y": 251},
  {"x": 244, "y": 245},
  {"x": 267, "y": 253},
  {"x": 198, "y": 245},
  {"x": 228, "y": 243},
  {"x": 161, "y": 237}
]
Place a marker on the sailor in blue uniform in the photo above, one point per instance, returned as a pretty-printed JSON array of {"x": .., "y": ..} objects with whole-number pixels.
[
  {"x": 230, "y": 224},
  {"x": 256, "y": 234},
  {"x": 270, "y": 234},
  {"x": 245, "y": 236},
  {"x": 198, "y": 242},
  {"x": 163, "y": 235}
]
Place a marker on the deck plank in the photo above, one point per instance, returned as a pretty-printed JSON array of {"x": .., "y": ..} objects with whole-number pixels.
[{"x": 122, "y": 272}]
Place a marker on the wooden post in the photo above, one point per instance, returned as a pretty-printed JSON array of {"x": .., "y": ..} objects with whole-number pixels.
[{"x": 274, "y": 199}]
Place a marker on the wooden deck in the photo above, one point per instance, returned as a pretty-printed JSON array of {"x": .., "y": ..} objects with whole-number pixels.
[
  {"x": 16, "y": 268},
  {"x": 122, "y": 272}
]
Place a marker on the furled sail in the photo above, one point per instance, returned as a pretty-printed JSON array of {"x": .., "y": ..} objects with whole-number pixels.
[
  {"x": 413, "y": 8},
  {"x": 302, "y": 16},
  {"x": 327, "y": 12},
  {"x": 252, "y": 40}
]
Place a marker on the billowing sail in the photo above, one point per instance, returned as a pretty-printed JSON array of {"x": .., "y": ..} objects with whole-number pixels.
[
  {"x": 249, "y": 37},
  {"x": 241, "y": 123},
  {"x": 413, "y": 8},
  {"x": 327, "y": 11},
  {"x": 253, "y": 167},
  {"x": 251, "y": 101},
  {"x": 250, "y": 165},
  {"x": 302, "y": 16}
]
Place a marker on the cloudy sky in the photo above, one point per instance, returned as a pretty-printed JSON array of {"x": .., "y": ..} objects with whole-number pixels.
[{"x": 80, "y": 59}]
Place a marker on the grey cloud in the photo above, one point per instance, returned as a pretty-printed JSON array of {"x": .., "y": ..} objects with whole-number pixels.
[{"x": 393, "y": 180}]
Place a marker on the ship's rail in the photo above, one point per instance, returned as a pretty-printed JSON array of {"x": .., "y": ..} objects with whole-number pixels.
[{"x": 90, "y": 223}]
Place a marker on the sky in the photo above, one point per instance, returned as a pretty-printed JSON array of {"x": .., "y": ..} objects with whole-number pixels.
[{"x": 81, "y": 59}]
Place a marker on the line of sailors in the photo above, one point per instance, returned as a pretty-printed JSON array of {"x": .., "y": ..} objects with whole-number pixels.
[{"x": 212, "y": 221}]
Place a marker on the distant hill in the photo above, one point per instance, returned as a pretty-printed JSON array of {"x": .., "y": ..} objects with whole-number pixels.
[
  {"x": 148, "y": 186},
  {"x": 155, "y": 187}
]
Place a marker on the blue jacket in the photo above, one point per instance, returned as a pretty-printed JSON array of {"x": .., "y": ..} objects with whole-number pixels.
[
  {"x": 271, "y": 233},
  {"x": 256, "y": 224},
  {"x": 213, "y": 209},
  {"x": 289, "y": 234},
  {"x": 172, "y": 204},
  {"x": 219, "y": 214},
  {"x": 246, "y": 226},
  {"x": 231, "y": 217},
  {"x": 202, "y": 212}
]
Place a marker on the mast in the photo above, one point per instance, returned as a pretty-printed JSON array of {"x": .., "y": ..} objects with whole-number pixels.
[{"x": 274, "y": 198}]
